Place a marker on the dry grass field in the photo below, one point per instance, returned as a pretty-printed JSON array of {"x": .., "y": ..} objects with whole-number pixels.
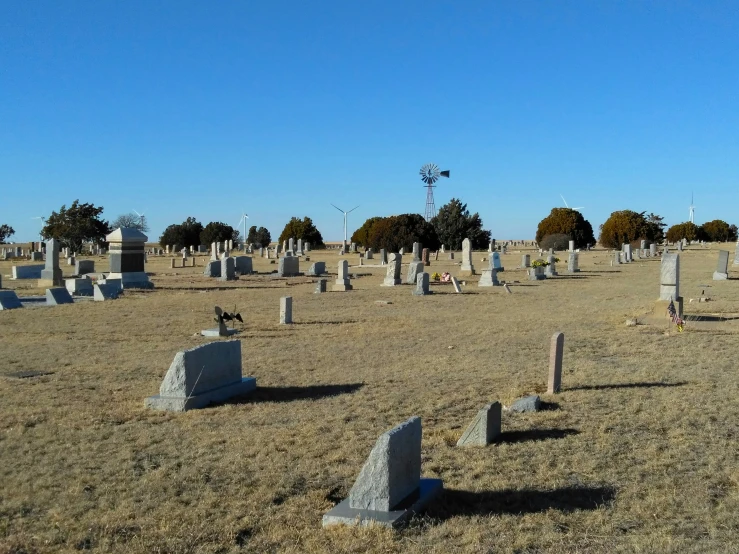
[{"x": 637, "y": 454}]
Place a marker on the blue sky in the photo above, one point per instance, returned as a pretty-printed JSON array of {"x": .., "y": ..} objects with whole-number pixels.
[{"x": 277, "y": 108}]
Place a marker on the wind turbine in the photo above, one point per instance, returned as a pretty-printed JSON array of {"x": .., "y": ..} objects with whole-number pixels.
[
  {"x": 345, "y": 214},
  {"x": 142, "y": 221},
  {"x": 566, "y": 206},
  {"x": 692, "y": 209},
  {"x": 43, "y": 220},
  {"x": 243, "y": 219}
]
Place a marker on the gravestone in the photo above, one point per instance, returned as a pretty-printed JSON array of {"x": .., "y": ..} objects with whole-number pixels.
[
  {"x": 416, "y": 252},
  {"x": 202, "y": 375},
  {"x": 58, "y": 295},
  {"x": 572, "y": 246},
  {"x": 653, "y": 250},
  {"x": 228, "y": 269},
  {"x": 526, "y": 404},
  {"x": 342, "y": 280},
  {"x": 320, "y": 286},
  {"x": 288, "y": 266},
  {"x": 627, "y": 253},
  {"x": 484, "y": 428},
  {"x": 291, "y": 244},
  {"x": 536, "y": 273},
  {"x": 555, "y": 363},
  {"x": 495, "y": 262},
  {"x": 669, "y": 288},
  {"x": 79, "y": 287},
  {"x": 616, "y": 258},
  {"x": 414, "y": 268},
  {"x": 680, "y": 246},
  {"x": 425, "y": 256},
  {"x": 455, "y": 284},
  {"x": 83, "y": 267},
  {"x": 212, "y": 268},
  {"x": 9, "y": 300},
  {"x": 489, "y": 277},
  {"x": 451, "y": 256},
  {"x": 127, "y": 258},
  {"x": 37, "y": 256},
  {"x": 389, "y": 488},
  {"x": 300, "y": 247},
  {"x": 551, "y": 269},
  {"x": 573, "y": 262},
  {"x": 392, "y": 276},
  {"x": 526, "y": 260},
  {"x": 317, "y": 268},
  {"x": 243, "y": 265},
  {"x": 286, "y": 310},
  {"x": 722, "y": 270},
  {"x": 467, "y": 267},
  {"x": 306, "y": 247},
  {"x": 104, "y": 291},
  {"x": 368, "y": 254},
  {"x": 353, "y": 248},
  {"x": 642, "y": 244},
  {"x": 27, "y": 271},
  {"x": 422, "y": 285},
  {"x": 383, "y": 256},
  {"x": 213, "y": 251},
  {"x": 51, "y": 275},
  {"x": 185, "y": 254}
]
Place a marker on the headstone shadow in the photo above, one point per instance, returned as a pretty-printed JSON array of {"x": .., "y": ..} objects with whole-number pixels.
[
  {"x": 455, "y": 503},
  {"x": 712, "y": 318},
  {"x": 513, "y": 437},
  {"x": 291, "y": 394},
  {"x": 643, "y": 385}
]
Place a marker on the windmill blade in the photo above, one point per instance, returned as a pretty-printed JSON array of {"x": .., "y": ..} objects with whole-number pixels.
[
  {"x": 578, "y": 209},
  {"x": 342, "y": 211},
  {"x": 563, "y": 200},
  {"x": 354, "y": 208}
]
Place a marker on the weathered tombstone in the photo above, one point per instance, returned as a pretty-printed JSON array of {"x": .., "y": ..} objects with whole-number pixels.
[
  {"x": 451, "y": 256},
  {"x": 342, "y": 280},
  {"x": 172, "y": 263},
  {"x": 736, "y": 254},
  {"x": 555, "y": 363},
  {"x": 422, "y": 285},
  {"x": 491, "y": 247},
  {"x": 317, "y": 268},
  {"x": 467, "y": 267},
  {"x": 126, "y": 254},
  {"x": 572, "y": 246},
  {"x": 383, "y": 256},
  {"x": 425, "y": 256},
  {"x": 300, "y": 247},
  {"x": 79, "y": 287},
  {"x": 353, "y": 248},
  {"x": 642, "y": 244},
  {"x": 202, "y": 375},
  {"x": 228, "y": 269},
  {"x": 680, "y": 246},
  {"x": 286, "y": 310},
  {"x": 368, "y": 254},
  {"x": 306, "y": 247},
  {"x": 243, "y": 265},
  {"x": 573, "y": 262},
  {"x": 389, "y": 488},
  {"x": 669, "y": 288},
  {"x": 627, "y": 253},
  {"x": 213, "y": 251},
  {"x": 722, "y": 271},
  {"x": 526, "y": 404},
  {"x": 105, "y": 291},
  {"x": 58, "y": 295},
  {"x": 489, "y": 277},
  {"x": 484, "y": 428},
  {"x": 51, "y": 275},
  {"x": 455, "y": 284},
  {"x": 37, "y": 256},
  {"x": 616, "y": 258},
  {"x": 288, "y": 266},
  {"x": 653, "y": 250},
  {"x": 495, "y": 262},
  {"x": 185, "y": 254},
  {"x": 27, "y": 271},
  {"x": 83, "y": 267},
  {"x": 9, "y": 300},
  {"x": 551, "y": 269},
  {"x": 320, "y": 286},
  {"x": 291, "y": 244},
  {"x": 526, "y": 260},
  {"x": 417, "y": 251},
  {"x": 212, "y": 268},
  {"x": 414, "y": 268},
  {"x": 392, "y": 277}
]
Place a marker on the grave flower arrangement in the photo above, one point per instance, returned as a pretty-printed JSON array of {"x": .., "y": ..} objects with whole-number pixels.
[
  {"x": 539, "y": 263},
  {"x": 436, "y": 276},
  {"x": 446, "y": 277}
]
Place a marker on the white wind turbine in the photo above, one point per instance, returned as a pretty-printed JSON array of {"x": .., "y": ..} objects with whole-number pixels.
[
  {"x": 242, "y": 221},
  {"x": 345, "y": 214},
  {"x": 142, "y": 221},
  {"x": 43, "y": 220},
  {"x": 692, "y": 209},
  {"x": 566, "y": 206}
]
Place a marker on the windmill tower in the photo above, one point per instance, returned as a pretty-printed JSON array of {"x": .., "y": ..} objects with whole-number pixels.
[
  {"x": 430, "y": 174},
  {"x": 692, "y": 209}
]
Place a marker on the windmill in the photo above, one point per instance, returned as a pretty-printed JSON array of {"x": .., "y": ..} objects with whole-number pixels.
[
  {"x": 142, "y": 221},
  {"x": 345, "y": 214},
  {"x": 43, "y": 221},
  {"x": 566, "y": 206},
  {"x": 692, "y": 209},
  {"x": 430, "y": 174},
  {"x": 242, "y": 221}
]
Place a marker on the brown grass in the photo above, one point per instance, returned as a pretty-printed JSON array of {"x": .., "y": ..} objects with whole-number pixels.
[{"x": 637, "y": 454}]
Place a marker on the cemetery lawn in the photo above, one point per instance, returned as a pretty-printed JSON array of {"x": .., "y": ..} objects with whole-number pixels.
[{"x": 637, "y": 454}]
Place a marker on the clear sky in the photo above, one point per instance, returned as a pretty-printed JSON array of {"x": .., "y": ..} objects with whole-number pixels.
[{"x": 279, "y": 108}]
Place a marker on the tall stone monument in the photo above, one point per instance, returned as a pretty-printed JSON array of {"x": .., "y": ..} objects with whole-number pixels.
[
  {"x": 342, "y": 279},
  {"x": 127, "y": 258},
  {"x": 51, "y": 275},
  {"x": 392, "y": 277},
  {"x": 467, "y": 267},
  {"x": 722, "y": 271}
]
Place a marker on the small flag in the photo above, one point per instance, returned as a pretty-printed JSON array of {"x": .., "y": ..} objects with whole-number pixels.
[{"x": 672, "y": 312}]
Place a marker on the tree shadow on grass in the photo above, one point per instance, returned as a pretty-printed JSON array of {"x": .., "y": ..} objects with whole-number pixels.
[
  {"x": 512, "y": 437},
  {"x": 525, "y": 501},
  {"x": 291, "y": 394},
  {"x": 643, "y": 385}
]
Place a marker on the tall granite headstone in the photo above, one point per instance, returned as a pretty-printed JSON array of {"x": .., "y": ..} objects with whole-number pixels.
[{"x": 127, "y": 257}]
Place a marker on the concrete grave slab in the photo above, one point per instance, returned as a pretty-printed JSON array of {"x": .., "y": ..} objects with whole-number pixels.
[
  {"x": 102, "y": 292},
  {"x": 58, "y": 295}
]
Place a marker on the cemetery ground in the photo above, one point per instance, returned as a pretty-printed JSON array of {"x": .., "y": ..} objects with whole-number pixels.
[{"x": 638, "y": 453}]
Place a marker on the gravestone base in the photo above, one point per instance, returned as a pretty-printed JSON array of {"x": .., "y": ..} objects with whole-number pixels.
[
  {"x": 182, "y": 404},
  {"x": 390, "y": 282},
  {"x": 720, "y": 276},
  {"x": 132, "y": 280},
  {"x": 660, "y": 307},
  {"x": 341, "y": 287},
  {"x": 215, "y": 332},
  {"x": 467, "y": 272},
  {"x": 342, "y": 513}
]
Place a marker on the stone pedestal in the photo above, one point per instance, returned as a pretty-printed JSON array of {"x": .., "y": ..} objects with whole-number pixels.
[
  {"x": 51, "y": 275},
  {"x": 127, "y": 257}
]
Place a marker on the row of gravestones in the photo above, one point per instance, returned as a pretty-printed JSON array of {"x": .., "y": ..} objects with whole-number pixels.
[{"x": 389, "y": 487}]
